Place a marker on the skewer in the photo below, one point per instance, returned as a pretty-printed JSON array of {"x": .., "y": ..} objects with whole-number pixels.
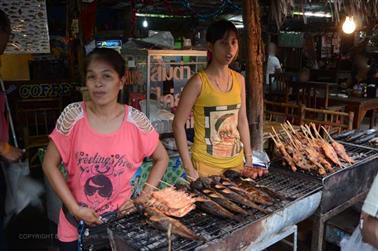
[
  {"x": 304, "y": 130},
  {"x": 275, "y": 141},
  {"x": 326, "y": 132},
  {"x": 169, "y": 234},
  {"x": 151, "y": 186},
  {"x": 275, "y": 133},
  {"x": 166, "y": 183},
  {"x": 309, "y": 132},
  {"x": 290, "y": 138},
  {"x": 316, "y": 131},
  {"x": 291, "y": 127}
]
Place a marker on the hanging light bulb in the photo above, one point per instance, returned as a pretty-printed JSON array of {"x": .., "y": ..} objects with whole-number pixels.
[
  {"x": 145, "y": 23},
  {"x": 349, "y": 25}
]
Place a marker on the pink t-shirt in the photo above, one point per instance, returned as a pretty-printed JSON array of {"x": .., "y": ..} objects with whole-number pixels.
[{"x": 100, "y": 166}]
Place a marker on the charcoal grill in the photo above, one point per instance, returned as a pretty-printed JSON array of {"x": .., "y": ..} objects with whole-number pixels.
[
  {"x": 344, "y": 188},
  {"x": 302, "y": 197}
]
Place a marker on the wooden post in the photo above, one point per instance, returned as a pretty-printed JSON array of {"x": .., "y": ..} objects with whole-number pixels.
[{"x": 254, "y": 78}]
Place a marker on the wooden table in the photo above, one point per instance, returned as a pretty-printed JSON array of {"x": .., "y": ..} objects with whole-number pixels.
[{"x": 360, "y": 106}]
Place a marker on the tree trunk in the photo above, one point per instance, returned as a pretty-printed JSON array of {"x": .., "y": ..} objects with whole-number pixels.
[{"x": 254, "y": 78}]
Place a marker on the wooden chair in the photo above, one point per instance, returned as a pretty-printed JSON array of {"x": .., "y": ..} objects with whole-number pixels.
[
  {"x": 334, "y": 120},
  {"x": 279, "y": 84},
  {"x": 281, "y": 112},
  {"x": 38, "y": 118},
  {"x": 276, "y": 113}
]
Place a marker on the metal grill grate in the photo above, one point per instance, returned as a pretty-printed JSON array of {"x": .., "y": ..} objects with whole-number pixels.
[
  {"x": 134, "y": 232},
  {"x": 289, "y": 184}
]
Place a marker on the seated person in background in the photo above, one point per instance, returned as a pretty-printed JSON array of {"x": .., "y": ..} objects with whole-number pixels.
[
  {"x": 359, "y": 71},
  {"x": 369, "y": 216},
  {"x": 273, "y": 65},
  {"x": 304, "y": 75}
]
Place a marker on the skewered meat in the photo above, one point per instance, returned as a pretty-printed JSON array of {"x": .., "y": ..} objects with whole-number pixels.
[
  {"x": 318, "y": 160},
  {"x": 340, "y": 150},
  {"x": 172, "y": 202},
  {"x": 224, "y": 202},
  {"x": 160, "y": 221},
  {"x": 286, "y": 156},
  {"x": 329, "y": 151}
]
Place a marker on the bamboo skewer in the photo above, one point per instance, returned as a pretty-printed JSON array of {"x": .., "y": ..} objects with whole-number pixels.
[
  {"x": 166, "y": 183},
  {"x": 154, "y": 187},
  {"x": 326, "y": 132}
]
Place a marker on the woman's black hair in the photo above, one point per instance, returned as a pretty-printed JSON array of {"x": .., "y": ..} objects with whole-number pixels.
[
  {"x": 4, "y": 22},
  {"x": 218, "y": 29},
  {"x": 109, "y": 56}
]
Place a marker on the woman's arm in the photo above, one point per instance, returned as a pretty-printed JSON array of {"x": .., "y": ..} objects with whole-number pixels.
[
  {"x": 243, "y": 125},
  {"x": 160, "y": 159},
  {"x": 187, "y": 99},
  {"x": 50, "y": 167},
  {"x": 370, "y": 229}
]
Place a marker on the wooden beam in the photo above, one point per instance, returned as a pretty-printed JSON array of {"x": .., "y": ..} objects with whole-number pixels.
[{"x": 254, "y": 78}]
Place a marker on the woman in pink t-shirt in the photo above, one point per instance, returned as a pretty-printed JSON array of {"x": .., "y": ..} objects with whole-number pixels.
[{"x": 101, "y": 143}]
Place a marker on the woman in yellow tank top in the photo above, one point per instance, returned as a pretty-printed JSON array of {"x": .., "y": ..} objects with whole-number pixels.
[{"x": 217, "y": 98}]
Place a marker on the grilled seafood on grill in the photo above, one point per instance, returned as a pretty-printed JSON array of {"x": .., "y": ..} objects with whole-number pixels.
[
  {"x": 309, "y": 151},
  {"x": 172, "y": 202},
  {"x": 160, "y": 221}
]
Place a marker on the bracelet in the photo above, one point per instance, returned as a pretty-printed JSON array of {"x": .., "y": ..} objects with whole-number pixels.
[{"x": 248, "y": 155}]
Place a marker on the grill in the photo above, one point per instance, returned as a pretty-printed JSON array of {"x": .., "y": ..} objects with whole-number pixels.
[
  {"x": 133, "y": 233},
  {"x": 345, "y": 183},
  {"x": 359, "y": 153},
  {"x": 356, "y": 141}
]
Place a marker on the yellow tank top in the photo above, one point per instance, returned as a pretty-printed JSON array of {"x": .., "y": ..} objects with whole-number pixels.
[{"x": 216, "y": 136}]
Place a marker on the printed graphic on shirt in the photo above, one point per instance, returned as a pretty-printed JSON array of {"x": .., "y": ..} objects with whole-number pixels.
[
  {"x": 221, "y": 133},
  {"x": 101, "y": 179}
]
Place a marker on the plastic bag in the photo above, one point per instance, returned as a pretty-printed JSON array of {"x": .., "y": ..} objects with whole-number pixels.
[
  {"x": 22, "y": 190},
  {"x": 355, "y": 242},
  {"x": 261, "y": 159}
]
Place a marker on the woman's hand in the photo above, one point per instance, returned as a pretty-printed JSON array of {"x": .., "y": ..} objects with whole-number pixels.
[
  {"x": 87, "y": 215},
  {"x": 10, "y": 153},
  {"x": 192, "y": 174}
]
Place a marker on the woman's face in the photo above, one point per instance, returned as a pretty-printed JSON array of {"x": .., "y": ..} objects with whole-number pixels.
[
  {"x": 225, "y": 50},
  {"x": 103, "y": 82}
]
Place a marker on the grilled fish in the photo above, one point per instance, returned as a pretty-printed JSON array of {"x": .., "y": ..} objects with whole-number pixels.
[
  {"x": 162, "y": 222},
  {"x": 214, "y": 208},
  {"x": 224, "y": 202},
  {"x": 365, "y": 138},
  {"x": 355, "y": 136},
  {"x": 344, "y": 134},
  {"x": 253, "y": 195},
  {"x": 235, "y": 197}
]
